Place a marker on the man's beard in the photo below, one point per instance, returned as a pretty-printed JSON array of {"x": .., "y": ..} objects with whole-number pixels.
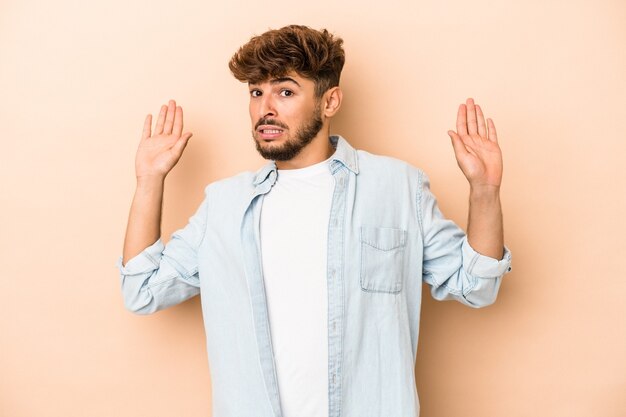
[{"x": 292, "y": 146}]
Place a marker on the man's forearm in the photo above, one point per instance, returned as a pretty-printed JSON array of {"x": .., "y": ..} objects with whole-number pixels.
[
  {"x": 484, "y": 226},
  {"x": 144, "y": 219}
]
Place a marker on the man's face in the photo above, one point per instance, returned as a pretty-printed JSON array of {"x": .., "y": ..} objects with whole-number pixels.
[{"x": 285, "y": 115}]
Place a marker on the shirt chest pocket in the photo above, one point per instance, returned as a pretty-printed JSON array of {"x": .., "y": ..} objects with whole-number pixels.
[{"x": 382, "y": 259}]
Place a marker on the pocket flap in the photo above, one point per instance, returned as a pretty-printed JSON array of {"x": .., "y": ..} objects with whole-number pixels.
[{"x": 383, "y": 238}]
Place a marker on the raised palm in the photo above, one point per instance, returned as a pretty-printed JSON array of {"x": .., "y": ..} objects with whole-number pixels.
[
  {"x": 476, "y": 146},
  {"x": 160, "y": 150}
]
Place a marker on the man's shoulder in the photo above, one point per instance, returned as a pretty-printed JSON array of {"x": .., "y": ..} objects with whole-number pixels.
[
  {"x": 386, "y": 165},
  {"x": 238, "y": 183}
]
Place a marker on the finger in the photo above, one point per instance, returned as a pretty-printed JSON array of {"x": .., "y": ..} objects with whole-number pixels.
[
  {"x": 178, "y": 121},
  {"x": 158, "y": 129},
  {"x": 181, "y": 143},
  {"x": 482, "y": 128},
  {"x": 457, "y": 143},
  {"x": 472, "y": 127},
  {"x": 492, "y": 134},
  {"x": 461, "y": 120},
  {"x": 147, "y": 124},
  {"x": 169, "y": 119}
]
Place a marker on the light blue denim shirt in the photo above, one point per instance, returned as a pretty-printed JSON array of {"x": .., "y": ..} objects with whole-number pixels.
[{"x": 385, "y": 236}]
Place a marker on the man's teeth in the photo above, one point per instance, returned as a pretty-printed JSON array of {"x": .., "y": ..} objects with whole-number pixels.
[{"x": 271, "y": 131}]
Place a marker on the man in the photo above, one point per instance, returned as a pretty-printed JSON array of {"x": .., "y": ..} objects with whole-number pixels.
[{"x": 310, "y": 269}]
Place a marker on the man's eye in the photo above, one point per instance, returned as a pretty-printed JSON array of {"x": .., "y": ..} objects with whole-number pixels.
[
  {"x": 255, "y": 93},
  {"x": 286, "y": 93}
]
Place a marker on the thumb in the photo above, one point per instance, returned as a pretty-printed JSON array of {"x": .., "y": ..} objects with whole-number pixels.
[
  {"x": 457, "y": 143},
  {"x": 181, "y": 143}
]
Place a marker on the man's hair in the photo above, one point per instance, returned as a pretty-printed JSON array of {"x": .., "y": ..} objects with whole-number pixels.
[{"x": 316, "y": 55}]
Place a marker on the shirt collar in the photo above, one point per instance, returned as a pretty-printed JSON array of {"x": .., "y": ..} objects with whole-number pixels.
[
  {"x": 262, "y": 174},
  {"x": 344, "y": 155}
]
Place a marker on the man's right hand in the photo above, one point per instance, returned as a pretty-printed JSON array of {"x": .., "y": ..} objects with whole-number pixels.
[
  {"x": 160, "y": 150},
  {"x": 156, "y": 156}
]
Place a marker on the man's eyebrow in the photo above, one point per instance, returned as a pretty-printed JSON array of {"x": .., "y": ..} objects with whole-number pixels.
[{"x": 284, "y": 79}]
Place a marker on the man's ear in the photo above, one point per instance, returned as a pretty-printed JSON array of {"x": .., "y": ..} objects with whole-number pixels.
[{"x": 331, "y": 101}]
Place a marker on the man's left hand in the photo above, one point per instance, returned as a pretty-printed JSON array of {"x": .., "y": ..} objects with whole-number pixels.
[{"x": 476, "y": 147}]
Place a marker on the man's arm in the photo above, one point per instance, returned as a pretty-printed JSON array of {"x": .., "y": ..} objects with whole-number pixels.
[
  {"x": 479, "y": 157},
  {"x": 158, "y": 153}
]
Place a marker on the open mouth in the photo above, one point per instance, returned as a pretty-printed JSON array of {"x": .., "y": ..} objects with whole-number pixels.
[{"x": 269, "y": 132}]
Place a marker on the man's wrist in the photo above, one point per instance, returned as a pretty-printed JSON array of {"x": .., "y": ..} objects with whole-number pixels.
[
  {"x": 150, "y": 180},
  {"x": 484, "y": 193}
]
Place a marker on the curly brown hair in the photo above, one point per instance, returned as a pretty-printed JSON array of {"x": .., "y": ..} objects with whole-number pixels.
[{"x": 316, "y": 55}]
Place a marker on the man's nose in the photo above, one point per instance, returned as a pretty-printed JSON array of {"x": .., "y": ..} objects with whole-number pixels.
[{"x": 267, "y": 107}]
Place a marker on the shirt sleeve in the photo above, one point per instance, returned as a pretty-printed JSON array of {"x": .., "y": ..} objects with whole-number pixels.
[
  {"x": 165, "y": 275},
  {"x": 452, "y": 268}
]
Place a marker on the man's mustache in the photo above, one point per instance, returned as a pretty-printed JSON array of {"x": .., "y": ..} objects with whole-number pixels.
[{"x": 267, "y": 121}]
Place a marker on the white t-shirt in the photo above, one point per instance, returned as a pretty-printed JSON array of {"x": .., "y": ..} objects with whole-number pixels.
[{"x": 293, "y": 237}]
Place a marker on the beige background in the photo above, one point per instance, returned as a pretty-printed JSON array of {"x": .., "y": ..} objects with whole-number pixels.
[{"x": 78, "y": 77}]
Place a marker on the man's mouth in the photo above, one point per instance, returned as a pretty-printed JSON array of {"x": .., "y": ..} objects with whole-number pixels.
[{"x": 268, "y": 132}]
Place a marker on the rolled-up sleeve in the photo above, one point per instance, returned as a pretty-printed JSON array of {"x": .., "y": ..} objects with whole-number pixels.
[
  {"x": 165, "y": 275},
  {"x": 452, "y": 268}
]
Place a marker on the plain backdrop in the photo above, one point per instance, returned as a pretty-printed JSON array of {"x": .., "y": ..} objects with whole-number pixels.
[{"x": 78, "y": 77}]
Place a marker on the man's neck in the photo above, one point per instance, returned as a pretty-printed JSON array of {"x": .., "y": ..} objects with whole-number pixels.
[{"x": 320, "y": 149}]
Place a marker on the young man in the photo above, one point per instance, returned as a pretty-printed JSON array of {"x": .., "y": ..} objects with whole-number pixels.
[{"x": 310, "y": 269}]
